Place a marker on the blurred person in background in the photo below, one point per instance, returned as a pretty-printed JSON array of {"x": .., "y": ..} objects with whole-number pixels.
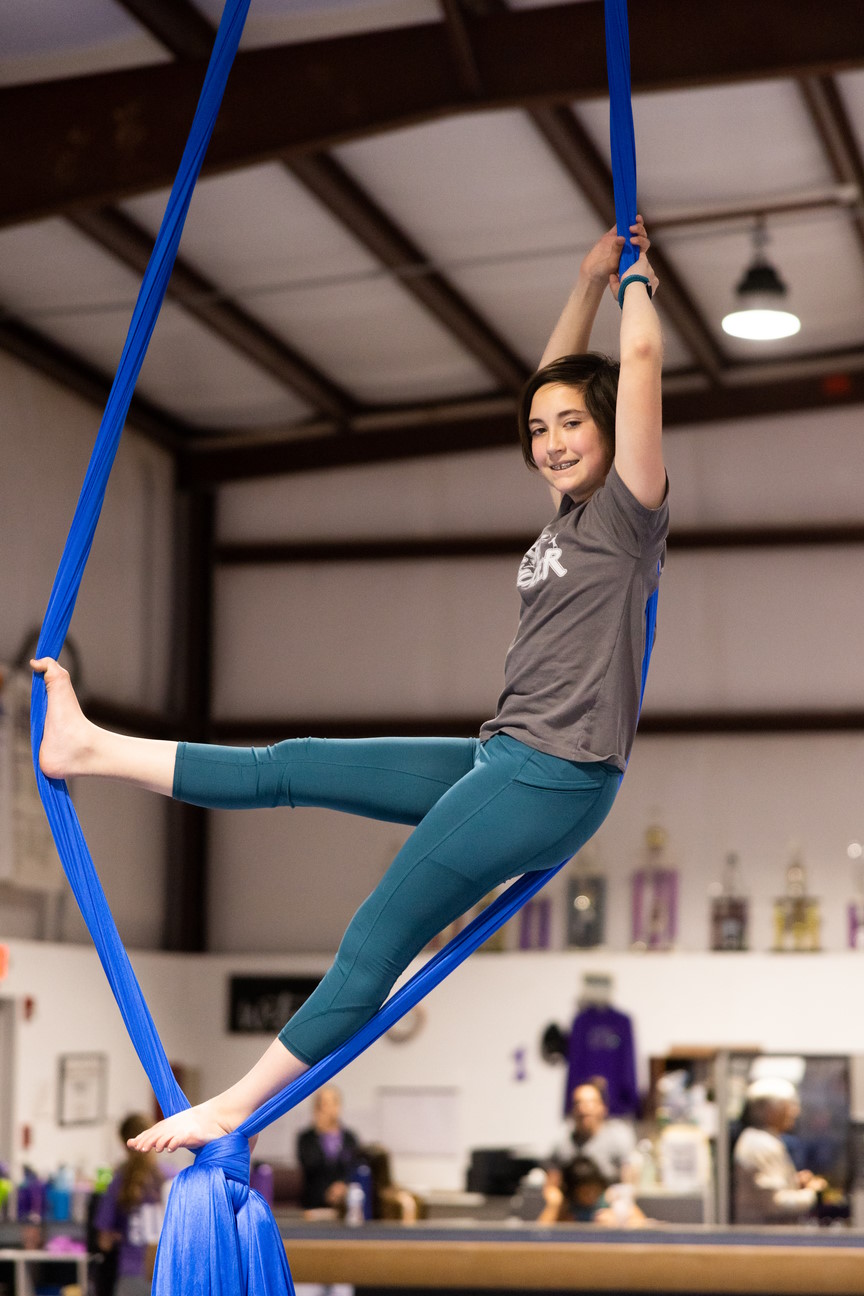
[
  {"x": 768, "y": 1188},
  {"x": 584, "y": 1197},
  {"x": 389, "y": 1201},
  {"x": 608, "y": 1142},
  {"x": 328, "y": 1154},
  {"x": 129, "y": 1215}
]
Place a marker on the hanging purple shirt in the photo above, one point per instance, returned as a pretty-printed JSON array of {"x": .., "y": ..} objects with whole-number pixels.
[{"x": 601, "y": 1044}]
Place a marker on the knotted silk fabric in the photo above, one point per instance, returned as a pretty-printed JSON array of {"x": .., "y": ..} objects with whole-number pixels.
[{"x": 219, "y": 1237}]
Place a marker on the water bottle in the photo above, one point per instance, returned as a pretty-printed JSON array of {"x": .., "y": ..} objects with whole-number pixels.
[
  {"x": 31, "y": 1195},
  {"x": 60, "y": 1195},
  {"x": 82, "y": 1191},
  {"x": 363, "y": 1176},
  {"x": 355, "y": 1204}
]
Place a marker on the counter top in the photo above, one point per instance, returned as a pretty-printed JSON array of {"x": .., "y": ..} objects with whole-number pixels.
[{"x": 574, "y": 1258}]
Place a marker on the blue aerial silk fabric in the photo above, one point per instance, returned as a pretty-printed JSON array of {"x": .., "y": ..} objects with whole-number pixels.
[
  {"x": 622, "y": 137},
  {"x": 219, "y": 1237},
  {"x": 55, "y": 797}
]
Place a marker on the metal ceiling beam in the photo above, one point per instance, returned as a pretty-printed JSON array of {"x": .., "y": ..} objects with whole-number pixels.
[
  {"x": 88, "y": 382},
  {"x": 185, "y": 909},
  {"x": 259, "y": 729},
  {"x": 825, "y": 198},
  {"x": 657, "y": 724},
  {"x": 816, "y": 383},
  {"x": 341, "y": 194},
  {"x": 345, "y": 449},
  {"x": 251, "y": 553},
  {"x": 834, "y": 128},
  {"x": 187, "y": 34},
  {"x": 462, "y": 47},
  {"x": 127, "y": 240},
  {"x": 345, "y": 199},
  {"x": 89, "y": 140},
  {"x": 682, "y": 724},
  {"x": 575, "y": 150},
  {"x": 176, "y": 23}
]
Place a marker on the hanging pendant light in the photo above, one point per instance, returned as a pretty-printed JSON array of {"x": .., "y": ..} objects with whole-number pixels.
[{"x": 761, "y": 294}]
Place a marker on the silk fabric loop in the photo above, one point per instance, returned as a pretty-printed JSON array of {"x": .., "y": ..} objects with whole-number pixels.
[
  {"x": 62, "y": 818},
  {"x": 219, "y": 1235}
]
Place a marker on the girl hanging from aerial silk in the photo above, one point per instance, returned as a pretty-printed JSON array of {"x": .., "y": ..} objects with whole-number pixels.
[{"x": 541, "y": 776}]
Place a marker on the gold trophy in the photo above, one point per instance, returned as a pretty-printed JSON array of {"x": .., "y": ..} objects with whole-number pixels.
[
  {"x": 729, "y": 910},
  {"x": 797, "y": 920}
]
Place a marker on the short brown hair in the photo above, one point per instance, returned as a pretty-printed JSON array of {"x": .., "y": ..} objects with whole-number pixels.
[
  {"x": 581, "y": 1171},
  {"x": 596, "y": 377}
]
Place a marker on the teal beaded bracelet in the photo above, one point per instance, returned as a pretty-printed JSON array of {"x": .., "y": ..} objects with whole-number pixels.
[{"x": 625, "y": 283}]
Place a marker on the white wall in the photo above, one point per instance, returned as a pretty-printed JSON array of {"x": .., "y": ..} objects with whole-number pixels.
[
  {"x": 71, "y": 1011},
  {"x": 490, "y": 1007},
  {"x": 285, "y": 883},
  {"x": 289, "y": 880},
  {"x": 743, "y": 629},
  {"x": 121, "y": 624}
]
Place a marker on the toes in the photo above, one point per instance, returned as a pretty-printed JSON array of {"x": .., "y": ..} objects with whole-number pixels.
[
  {"x": 48, "y": 667},
  {"x": 143, "y": 1142}
]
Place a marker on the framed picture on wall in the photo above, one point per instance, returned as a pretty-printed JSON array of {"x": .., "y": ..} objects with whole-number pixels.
[
  {"x": 82, "y": 1088},
  {"x": 263, "y": 1004}
]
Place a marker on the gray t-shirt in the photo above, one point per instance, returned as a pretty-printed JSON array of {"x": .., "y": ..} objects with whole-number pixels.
[
  {"x": 573, "y": 674},
  {"x": 611, "y": 1148}
]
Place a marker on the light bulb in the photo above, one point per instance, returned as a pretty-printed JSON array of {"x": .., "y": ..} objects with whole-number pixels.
[
  {"x": 760, "y": 295},
  {"x": 761, "y": 324}
]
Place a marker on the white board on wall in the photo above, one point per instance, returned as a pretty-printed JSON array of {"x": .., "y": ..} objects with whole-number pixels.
[{"x": 421, "y": 1121}]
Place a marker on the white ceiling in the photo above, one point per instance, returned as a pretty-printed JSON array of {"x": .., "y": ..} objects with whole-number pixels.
[{"x": 481, "y": 195}]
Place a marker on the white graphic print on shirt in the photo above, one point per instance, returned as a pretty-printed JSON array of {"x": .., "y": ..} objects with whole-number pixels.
[{"x": 543, "y": 557}]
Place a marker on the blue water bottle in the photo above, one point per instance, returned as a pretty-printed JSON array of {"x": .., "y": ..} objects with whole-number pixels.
[{"x": 363, "y": 1176}]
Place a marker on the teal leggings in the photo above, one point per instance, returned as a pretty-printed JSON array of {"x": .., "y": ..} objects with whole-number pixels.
[{"x": 484, "y": 812}]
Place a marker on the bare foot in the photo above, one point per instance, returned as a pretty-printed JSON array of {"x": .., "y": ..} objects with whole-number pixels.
[
  {"x": 191, "y": 1128},
  {"x": 68, "y": 740}
]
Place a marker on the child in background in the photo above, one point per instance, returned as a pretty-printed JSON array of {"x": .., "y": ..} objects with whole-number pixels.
[
  {"x": 129, "y": 1215},
  {"x": 389, "y": 1201},
  {"x": 582, "y": 1199},
  {"x": 579, "y": 1196}
]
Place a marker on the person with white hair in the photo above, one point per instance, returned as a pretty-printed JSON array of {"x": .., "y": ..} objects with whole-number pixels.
[{"x": 768, "y": 1188}]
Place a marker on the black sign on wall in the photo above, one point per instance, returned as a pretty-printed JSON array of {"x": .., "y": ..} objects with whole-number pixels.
[{"x": 262, "y": 1005}]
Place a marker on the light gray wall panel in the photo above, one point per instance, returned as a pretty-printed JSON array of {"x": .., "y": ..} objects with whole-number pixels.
[
  {"x": 122, "y": 621},
  {"x": 121, "y": 624},
  {"x": 759, "y": 630},
  {"x": 363, "y": 639}
]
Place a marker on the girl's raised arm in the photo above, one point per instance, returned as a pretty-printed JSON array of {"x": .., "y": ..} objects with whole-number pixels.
[
  {"x": 638, "y": 417},
  {"x": 572, "y": 333}
]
